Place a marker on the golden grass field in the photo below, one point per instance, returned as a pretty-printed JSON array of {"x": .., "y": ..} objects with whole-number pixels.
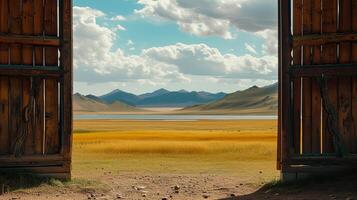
[{"x": 239, "y": 147}]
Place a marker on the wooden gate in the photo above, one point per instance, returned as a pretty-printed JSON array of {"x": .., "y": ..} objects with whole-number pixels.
[
  {"x": 36, "y": 86},
  {"x": 318, "y": 85}
]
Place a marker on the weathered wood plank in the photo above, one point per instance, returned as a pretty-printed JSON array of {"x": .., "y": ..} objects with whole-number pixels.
[
  {"x": 29, "y": 40},
  {"x": 297, "y": 31},
  {"x": 328, "y": 70},
  {"x": 52, "y": 145},
  {"x": 39, "y": 128},
  {"x": 329, "y": 56},
  {"x": 315, "y": 89},
  {"x": 323, "y": 39},
  {"x": 4, "y": 116},
  {"x": 285, "y": 81},
  {"x": 15, "y": 105},
  {"x": 306, "y": 83},
  {"x": 345, "y": 83},
  {"x": 4, "y": 84},
  {"x": 27, "y": 59},
  {"x": 67, "y": 87},
  {"x": 354, "y": 79}
]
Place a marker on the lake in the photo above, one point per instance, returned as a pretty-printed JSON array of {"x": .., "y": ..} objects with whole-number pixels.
[{"x": 172, "y": 117}]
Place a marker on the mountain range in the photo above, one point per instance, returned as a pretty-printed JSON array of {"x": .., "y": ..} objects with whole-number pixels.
[
  {"x": 162, "y": 98},
  {"x": 254, "y": 100}
]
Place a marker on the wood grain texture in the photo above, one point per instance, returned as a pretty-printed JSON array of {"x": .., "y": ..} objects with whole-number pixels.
[
  {"x": 27, "y": 59},
  {"x": 15, "y": 99},
  {"x": 345, "y": 83},
  {"x": 297, "y": 31},
  {"x": 52, "y": 144},
  {"x": 67, "y": 65},
  {"x": 329, "y": 56},
  {"x": 306, "y": 83},
  {"x": 354, "y": 79},
  {"x": 39, "y": 126},
  {"x": 315, "y": 89},
  {"x": 4, "y": 84}
]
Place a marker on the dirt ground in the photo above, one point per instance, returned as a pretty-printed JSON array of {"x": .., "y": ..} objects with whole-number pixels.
[{"x": 187, "y": 187}]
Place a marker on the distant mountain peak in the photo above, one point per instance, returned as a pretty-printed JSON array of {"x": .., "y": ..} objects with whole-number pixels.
[
  {"x": 114, "y": 92},
  {"x": 183, "y": 91},
  {"x": 253, "y": 87},
  {"x": 161, "y": 91}
]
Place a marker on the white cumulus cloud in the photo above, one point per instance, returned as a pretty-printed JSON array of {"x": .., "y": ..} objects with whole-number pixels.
[
  {"x": 96, "y": 61},
  {"x": 118, "y": 18},
  {"x": 214, "y": 17},
  {"x": 250, "y": 48}
]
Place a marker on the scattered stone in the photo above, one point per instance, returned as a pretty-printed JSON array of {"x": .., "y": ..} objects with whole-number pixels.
[
  {"x": 140, "y": 187},
  {"x": 144, "y": 195},
  {"x": 232, "y": 195},
  {"x": 205, "y": 196},
  {"x": 164, "y": 198},
  {"x": 119, "y": 196},
  {"x": 176, "y": 187}
]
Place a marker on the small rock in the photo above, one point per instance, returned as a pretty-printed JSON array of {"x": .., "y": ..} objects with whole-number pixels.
[
  {"x": 233, "y": 195},
  {"x": 164, "y": 198},
  {"x": 144, "y": 195},
  {"x": 205, "y": 196},
  {"x": 176, "y": 187},
  {"x": 140, "y": 187}
]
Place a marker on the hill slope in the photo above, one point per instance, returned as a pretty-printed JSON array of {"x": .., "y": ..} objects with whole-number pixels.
[
  {"x": 254, "y": 100},
  {"x": 92, "y": 103}
]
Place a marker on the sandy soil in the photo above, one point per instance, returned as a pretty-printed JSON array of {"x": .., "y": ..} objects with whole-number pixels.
[
  {"x": 187, "y": 187},
  {"x": 145, "y": 186}
]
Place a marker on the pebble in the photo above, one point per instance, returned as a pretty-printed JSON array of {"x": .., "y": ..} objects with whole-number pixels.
[
  {"x": 140, "y": 187},
  {"x": 205, "y": 196},
  {"x": 176, "y": 187}
]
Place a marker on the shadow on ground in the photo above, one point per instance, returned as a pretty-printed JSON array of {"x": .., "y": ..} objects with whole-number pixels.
[
  {"x": 14, "y": 181},
  {"x": 334, "y": 187}
]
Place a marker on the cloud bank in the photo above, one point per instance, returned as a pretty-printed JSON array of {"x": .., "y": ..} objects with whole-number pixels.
[{"x": 97, "y": 61}]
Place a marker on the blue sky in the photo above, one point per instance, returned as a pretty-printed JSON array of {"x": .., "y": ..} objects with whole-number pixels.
[{"x": 161, "y": 45}]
